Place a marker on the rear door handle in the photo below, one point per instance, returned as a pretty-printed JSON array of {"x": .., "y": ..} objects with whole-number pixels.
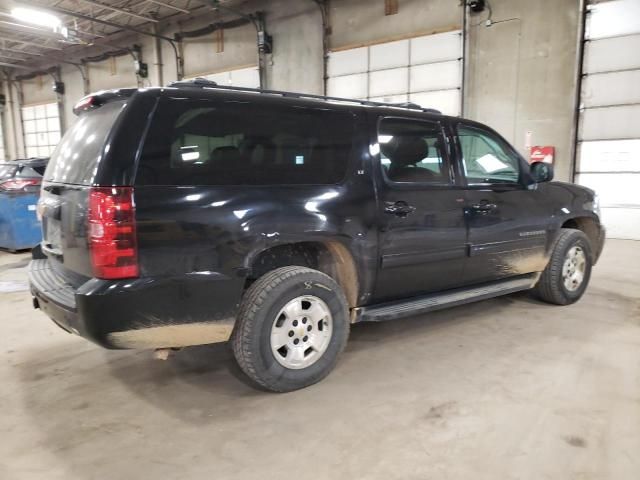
[
  {"x": 484, "y": 207},
  {"x": 399, "y": 208}
]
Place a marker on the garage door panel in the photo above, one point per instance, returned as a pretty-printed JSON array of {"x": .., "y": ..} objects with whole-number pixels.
[
  {"x": 613, "y": 88},
  {"x": 622, "y": 222},
  {"x": 349, "y": 86},
  {"x": 436, "y": 48},
  {"x": 610, "y": 123},
  {"x": 389, "y": 55},
  {"x": 426, "y": 70},
  {"x": 245, "y": 77},
  {"x": 346, "y": 62},
  {"x": 609, "y": 156},
  {"x": 435, "y": 76},
  {"x": 447, "y": 101},
  {"x": 391, "y": 99},
  {"x": 614, "y": 18},
  {"x": 611, "y": 54},
  {"x": 388, "y": 82},
  {"x": 241, "y": 77},
  {"x": 614, "y": 189},
  {"x": 608, "y": 151},
  {"x": 221, "y": 78}
]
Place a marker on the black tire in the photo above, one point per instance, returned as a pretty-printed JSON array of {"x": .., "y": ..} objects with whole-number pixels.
[
  {"x": 261, "y": 304},
  {"x": 550, "y": 286}
]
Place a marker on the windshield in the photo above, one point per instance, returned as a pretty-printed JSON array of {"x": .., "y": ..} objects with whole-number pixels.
[{"x": 75, "y": 160}]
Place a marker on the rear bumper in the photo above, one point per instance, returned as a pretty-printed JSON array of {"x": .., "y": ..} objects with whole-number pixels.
[
  {"x": 176, "y": 311},
  {"x": 53, "y": 296}
]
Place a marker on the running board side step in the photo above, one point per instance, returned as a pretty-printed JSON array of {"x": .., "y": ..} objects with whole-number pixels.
[{"x": 437, "y": 301}]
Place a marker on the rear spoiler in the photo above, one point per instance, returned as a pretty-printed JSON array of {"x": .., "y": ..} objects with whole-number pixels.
[{"x": 95, "y": 100}]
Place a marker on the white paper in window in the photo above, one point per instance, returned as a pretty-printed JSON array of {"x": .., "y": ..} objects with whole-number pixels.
[{"x": 491, "y": 164}]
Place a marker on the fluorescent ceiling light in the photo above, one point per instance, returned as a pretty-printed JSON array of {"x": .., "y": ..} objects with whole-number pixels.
[{"x": 36, "y": 17}]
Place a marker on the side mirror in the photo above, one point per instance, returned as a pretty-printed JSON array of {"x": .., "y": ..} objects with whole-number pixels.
[{"x": 541, "y": 172}]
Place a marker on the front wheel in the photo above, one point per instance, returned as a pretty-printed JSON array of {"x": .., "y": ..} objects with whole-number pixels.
[
  {"x": 568, "y": 272},
  {"x": 291, "y": 327}
]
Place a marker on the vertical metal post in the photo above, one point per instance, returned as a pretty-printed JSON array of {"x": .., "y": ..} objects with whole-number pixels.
[
  {"x": 57, "y": 77},
  {"x": 578, "y": 93},
  {"x": 179, "y": 54},
  {"x": 262, "y": 54},
  {"x": 19, "y": 124},
  {"x": 465, "y": 48},
  {"x": 323, "y": 5},
  {"x": 84, "y": 73},
  {"x": 5, "y": 87},
  {"x": 10, "y": 107},
  {"x": 158, "y": 55}
]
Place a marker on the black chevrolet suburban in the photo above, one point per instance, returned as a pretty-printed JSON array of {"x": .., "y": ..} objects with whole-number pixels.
[{"x": 196, "y": 213}]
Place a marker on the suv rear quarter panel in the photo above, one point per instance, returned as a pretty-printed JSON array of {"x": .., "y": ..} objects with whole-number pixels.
[{"x": 182, "y": 230}]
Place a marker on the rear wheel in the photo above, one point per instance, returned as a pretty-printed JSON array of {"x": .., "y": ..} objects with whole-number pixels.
[
  {"x": 568, "y": 272},
  {"x": 292, "y": 325}
]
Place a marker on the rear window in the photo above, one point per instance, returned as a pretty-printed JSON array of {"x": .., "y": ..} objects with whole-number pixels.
[
  {"x": 75, "y": 159},
  {"x": 236, "y": 143}
]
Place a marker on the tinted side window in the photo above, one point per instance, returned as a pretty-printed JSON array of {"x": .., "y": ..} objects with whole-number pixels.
[
  {"x": 233, "y": 143},
  {"x": 486, "y": 158},
  {"x": 412, "y": 151}
]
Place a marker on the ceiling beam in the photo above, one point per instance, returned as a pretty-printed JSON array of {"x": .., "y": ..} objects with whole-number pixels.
[
  {"x": 23, "y": 52},
  {"x": 12, "y": 58},
  {"x": 119, "y": 10},
  {"x": 32, "y": 29},
  {"x": 31, "y": 44},
  {"x": 27, "y": 29},
  {"x": 13, "y": 65},
  {"x": 108, "y": 23},
  {"x": 168, "y": 5}
]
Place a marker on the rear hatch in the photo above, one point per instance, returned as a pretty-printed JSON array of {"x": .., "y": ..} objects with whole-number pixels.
[{"x": 75, "y": 167}]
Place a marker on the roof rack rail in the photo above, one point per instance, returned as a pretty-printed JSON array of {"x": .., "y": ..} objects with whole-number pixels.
[
  {"x": 412, "y": 105},
  {"x": 197, "y": 82},
  {"x": 204, "y": 83}
]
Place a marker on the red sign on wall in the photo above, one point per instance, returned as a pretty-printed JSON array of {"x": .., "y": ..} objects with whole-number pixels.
[{"x": 542, "y": 154}]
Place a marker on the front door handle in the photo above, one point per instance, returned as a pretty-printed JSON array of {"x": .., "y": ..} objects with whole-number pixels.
[
  {"x": 399, "y": 208},
  {"x": 484, "y": 207}
]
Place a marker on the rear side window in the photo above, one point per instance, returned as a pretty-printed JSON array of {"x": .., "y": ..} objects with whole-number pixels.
[
  {"x": 412, "y": 151},
  {"x": 75, "y": 159},
  {"x": 237, "y": 143}
]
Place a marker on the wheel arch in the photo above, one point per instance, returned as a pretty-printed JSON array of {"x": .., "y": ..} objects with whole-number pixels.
[
  {"x": 328, "y": 256},
  {"x": 587, "y": 225}
]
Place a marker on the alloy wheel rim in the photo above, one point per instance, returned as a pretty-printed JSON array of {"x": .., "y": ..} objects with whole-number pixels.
[
  {"x": 574, "y": 268},
  {"x": 301, "y": 332}
]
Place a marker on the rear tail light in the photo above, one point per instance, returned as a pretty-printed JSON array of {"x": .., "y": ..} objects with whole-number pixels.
[
  {"x": 16, "y": 185},
  {"x": 112, "y": 232}
]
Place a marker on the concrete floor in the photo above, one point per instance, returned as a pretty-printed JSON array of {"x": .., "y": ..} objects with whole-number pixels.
[{"x": 508, "y": 388}]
